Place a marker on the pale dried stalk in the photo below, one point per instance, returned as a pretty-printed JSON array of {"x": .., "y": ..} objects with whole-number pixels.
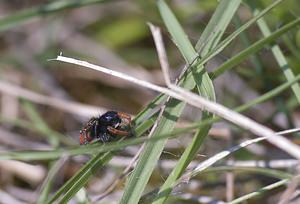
[
  {"x": 162, "y": 55},
  {"x": 168, "y": 164},
  {"x": 241, "y": 121}
]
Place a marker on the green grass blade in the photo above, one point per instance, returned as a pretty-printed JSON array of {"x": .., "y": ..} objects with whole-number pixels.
[
  {"x": 209, "y": 39},
  {"x": 254, "y": 48},
  {"x": 74, "y": 184},
  {"x": 179, "y": 37},
  {"x": 183, "y": 162},
  {"x": 55, "y": 6},
  {"x": 185, "y": 47}
]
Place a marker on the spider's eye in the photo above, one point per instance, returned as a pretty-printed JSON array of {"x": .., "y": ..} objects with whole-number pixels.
[{"x": 110, "y": 118}]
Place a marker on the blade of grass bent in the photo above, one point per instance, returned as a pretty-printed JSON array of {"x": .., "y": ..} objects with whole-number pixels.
[{"x": 208, "y": 40}]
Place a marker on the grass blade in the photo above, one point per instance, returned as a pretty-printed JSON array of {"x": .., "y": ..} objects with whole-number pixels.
[
  {"x": 74, "y": 184},
  {"x": 209, "y": 39}
]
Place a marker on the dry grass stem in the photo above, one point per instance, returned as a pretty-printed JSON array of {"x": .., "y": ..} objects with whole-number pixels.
[
  {"x": 162, "y": 55},
  {"x": 168, "y": 164},
  {"x": 273, "y": 164},
  {"x": 212, "y": 160}
]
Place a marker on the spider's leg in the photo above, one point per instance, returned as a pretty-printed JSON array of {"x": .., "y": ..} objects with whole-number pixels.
[
  {"x": 117, "y": 132},
  {"x": 126, "y": 119}
]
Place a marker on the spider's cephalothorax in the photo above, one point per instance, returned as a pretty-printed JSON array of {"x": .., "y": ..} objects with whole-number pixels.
[{"x": 106, "y": 127}]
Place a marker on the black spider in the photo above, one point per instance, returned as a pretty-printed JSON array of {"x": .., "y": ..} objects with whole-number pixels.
[{"x": 106, "y": 127}]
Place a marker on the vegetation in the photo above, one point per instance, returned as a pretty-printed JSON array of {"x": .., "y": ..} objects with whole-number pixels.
[{"x": 224, "y": 129}]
